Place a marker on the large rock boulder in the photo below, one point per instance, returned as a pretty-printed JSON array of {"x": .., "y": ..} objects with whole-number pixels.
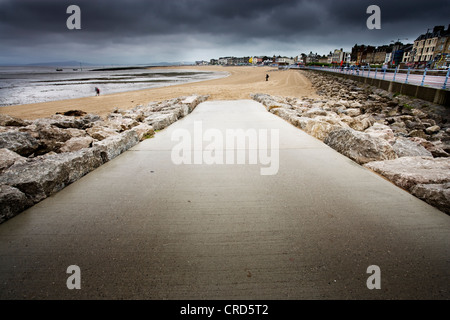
[
  {"x": 433, "y": 147},
  {"x": 115, "y": 145},
  {"x": 77, "y": 143},
  {"x": 101, "y": 133},
  {"x": 432, "y": 130},
  {"x": 65, "y": 122},
  {"x": 178, "y": 106},
  {"x": 332, "y": 118},
  {"x": 144, "y": 131},
  {"x": 355, "y": 104},
  {"x": 161, "y": 106},
  {"x": 12, "y": 202},
  {"x": 314, "y": 112},
  {"x": 193, "y": 101},
  {"x": 22, "y": 143},
  {"x": 408, "y": 172},
  {"x": 118, "y": 123},
  {"x": 399, "y": 128},
  {"x": 289, "y": 115},
  {"x": 439, "y": 149},
  {"x": 8, "y": 121},
  {"x": 352, "y": 112},
  {"x": 269, "y": 102},
  {"x": 300, "y": 122},
  {"x": 360, "y": 147},
  {"x": 48, "y": 174},
  {"x": 320, "y": 129},
  {"x": 359, "y": 123},
  {"x": 8, "y": 158},
  {"x": 438, "y": 195},
  {"x": 136, "y": 114},
  {"x": 414, "y": 124},
  {"x": 418, "y": 134},
  {"x": 179, "y": 110},
  {"x": 382, "y": 131},
  {"x": 50, "y": 138},
  {"x": 160, "y": 121},
  {"x": 76, "y": 133},
  {"x": 406, "y": 148}
]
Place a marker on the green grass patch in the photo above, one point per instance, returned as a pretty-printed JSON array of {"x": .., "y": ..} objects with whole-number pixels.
[
  {"x": 148, "y": 136},
  {"x": 407, "y": 106}
]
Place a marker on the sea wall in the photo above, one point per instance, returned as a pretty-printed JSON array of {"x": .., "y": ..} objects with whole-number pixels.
[
  {"x": 39, "y": 158},
  {"x": 434, "y": 95}
]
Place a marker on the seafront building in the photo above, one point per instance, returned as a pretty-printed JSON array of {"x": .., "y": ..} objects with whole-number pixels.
[
  {"x": 256, "y": 60},
  {"x": 432, "y": 49},
  {"x": 339, "y": 56},
  {"x": 429, "y": 50}
]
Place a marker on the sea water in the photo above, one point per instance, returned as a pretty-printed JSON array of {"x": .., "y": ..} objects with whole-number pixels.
[{"x": 24, "y": 85}]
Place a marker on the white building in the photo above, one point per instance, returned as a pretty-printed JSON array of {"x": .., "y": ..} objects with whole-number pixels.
[
  {"x": 285, "y": 61},
  {"x": 388, "y": 58},
  {"x": 224, "y": 61}
]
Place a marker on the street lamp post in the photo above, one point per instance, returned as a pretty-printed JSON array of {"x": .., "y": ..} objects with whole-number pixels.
[{"x": 413, "y": 59}]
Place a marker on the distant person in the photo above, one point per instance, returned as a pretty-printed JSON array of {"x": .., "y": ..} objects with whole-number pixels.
[
  {"x": 267, "y": 77},
  {"x": 97, "y": 91}
]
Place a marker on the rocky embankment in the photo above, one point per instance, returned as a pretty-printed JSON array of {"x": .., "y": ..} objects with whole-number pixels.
[
  {"x": 404, "y": 139},
  {"x": 40, "y": 157}
]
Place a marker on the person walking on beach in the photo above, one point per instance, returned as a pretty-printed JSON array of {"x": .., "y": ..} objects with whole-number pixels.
[
  {"x": 97, "y": 91},
  {"x": 267, "y": 77}
]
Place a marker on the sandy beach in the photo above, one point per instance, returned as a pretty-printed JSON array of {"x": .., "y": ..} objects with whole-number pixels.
[{"x": 241, "y": 82}]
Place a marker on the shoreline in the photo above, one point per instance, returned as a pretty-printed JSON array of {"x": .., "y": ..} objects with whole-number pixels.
[
  {"x": 33, "y": 86},
  {"x": 239, "y": 84}
]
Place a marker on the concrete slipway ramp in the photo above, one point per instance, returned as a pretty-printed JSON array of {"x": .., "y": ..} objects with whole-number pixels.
[{"x": 141, "y": 227}]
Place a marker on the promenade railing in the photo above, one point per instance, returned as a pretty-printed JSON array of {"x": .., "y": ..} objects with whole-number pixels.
[{"x": 422, "y": 77}]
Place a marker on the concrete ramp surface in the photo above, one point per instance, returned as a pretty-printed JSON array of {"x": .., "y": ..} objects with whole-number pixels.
[{"x": 143, "y": 227}]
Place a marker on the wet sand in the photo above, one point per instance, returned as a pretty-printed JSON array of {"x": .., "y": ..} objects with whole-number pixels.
[{"x": 241, "y": 82}]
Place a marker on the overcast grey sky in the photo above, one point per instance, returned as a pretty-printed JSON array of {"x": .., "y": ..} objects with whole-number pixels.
[{"x": 146, "y": 31}]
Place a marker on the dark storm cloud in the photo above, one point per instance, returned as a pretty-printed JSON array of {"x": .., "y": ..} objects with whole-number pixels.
[
  {"x": 159, "y": 26},
  {"x": 137, "y": 18}
]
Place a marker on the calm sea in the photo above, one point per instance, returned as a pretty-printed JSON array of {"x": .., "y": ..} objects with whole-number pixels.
[{"x": 23, "y": 85}]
